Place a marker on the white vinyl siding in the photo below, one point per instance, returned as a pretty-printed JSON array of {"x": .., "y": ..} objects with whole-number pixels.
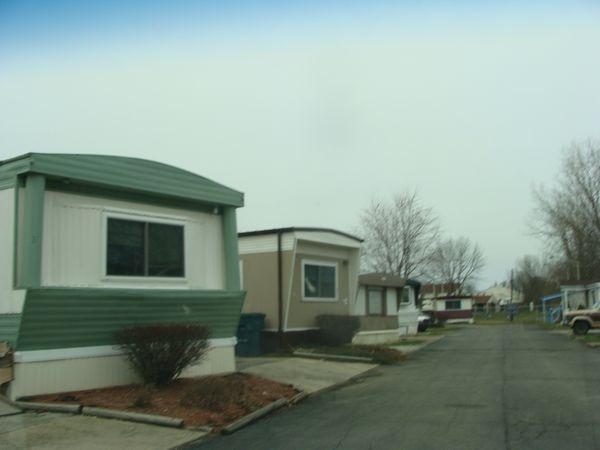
[
  {"x": 74, "y": 243},
  {"x": 11, "y": 301}
]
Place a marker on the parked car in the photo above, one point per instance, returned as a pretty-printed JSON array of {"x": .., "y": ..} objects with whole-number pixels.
[
  {"x": 581, "y": 320},
  {"x": 424, "y": 321}
]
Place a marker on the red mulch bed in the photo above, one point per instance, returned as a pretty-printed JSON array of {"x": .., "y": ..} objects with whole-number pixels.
[{"x": 212, "y": 400}]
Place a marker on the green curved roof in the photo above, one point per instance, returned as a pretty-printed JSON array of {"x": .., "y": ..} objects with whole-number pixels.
[{"x": 121, "y": 173}]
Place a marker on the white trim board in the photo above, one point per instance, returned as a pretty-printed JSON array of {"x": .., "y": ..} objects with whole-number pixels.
[{"x": 92, "y": 352}]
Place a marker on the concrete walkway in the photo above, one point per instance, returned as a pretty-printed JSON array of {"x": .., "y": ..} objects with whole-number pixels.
[
  {"x": 307, "y": 375},
  {"x": 54, "y": 431},
  {"x": 8, "y": 410}
]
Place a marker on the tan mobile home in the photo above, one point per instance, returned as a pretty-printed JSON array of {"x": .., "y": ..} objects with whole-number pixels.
[{"x": 294, "y": 274}]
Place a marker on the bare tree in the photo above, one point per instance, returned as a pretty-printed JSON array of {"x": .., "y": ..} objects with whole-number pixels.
[
  {"x": 399, "y": 235},
  {"x": 567, "y": 216},
  {"x": 534, "y": 278},
  {"x": 455, "y": 262}
]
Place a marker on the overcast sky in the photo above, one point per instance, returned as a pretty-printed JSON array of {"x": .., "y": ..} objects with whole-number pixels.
[{"x": 313, "y": 108}]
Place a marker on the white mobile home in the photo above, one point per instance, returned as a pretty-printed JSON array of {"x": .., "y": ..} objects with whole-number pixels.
[{"x": 94, "y": 243}]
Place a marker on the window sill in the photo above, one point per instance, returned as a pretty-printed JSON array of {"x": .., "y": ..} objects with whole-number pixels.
[
  {"x": 151, "y": 281},
  {"x": 319, "y": 300}
]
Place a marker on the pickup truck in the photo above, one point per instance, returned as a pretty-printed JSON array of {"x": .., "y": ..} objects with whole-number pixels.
[{"x": 581, "y": 320}]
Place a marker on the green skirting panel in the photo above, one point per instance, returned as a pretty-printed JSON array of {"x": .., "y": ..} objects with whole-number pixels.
[
  {"x": 9, "y": 328},
  {"x": 69, "y": 317}
]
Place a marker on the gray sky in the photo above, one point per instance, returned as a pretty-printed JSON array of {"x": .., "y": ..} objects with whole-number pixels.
[{"x": 313, "y": 110}]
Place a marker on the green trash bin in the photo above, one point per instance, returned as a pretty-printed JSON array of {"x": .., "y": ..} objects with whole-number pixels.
[{"x": 248, "y": 334}]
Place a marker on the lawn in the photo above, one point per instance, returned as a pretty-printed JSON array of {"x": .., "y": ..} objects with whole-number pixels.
[
  {"x": 501, "y": 318},
  {"x": 591, "y": 338}
]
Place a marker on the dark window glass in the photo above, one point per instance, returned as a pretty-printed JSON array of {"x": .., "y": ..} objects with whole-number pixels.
[
  {"x": 165, "y": 250},
  {"x": 405, "y": 296},
  {"x": 319, "y": 281},
  {"x": 144, "y": 249},
  {"x": 125, "y": 252},
  {"x": 452, "y": 304}
]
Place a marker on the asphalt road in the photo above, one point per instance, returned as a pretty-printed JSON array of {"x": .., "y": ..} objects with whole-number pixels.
[{"x": 494, "y": 387}]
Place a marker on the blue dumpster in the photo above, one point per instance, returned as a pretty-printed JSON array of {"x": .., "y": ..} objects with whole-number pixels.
[{"x": 248, "y": 334}]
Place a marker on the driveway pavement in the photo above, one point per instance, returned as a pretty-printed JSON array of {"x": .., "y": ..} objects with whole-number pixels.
[{"x": 481, "y": 387}]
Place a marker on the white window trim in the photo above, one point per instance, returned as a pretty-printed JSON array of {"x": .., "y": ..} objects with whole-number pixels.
[
  {"x": 314, "y": 262},
  {"x": 146, "y": 218}
]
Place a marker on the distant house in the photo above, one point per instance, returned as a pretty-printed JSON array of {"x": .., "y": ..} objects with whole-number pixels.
[
  {"x": 294, "y": 274},
  {"x": 380, "y": 298},
  {"x": 433, "y": 290},
  {"x": 452, "y": 309},
  {"x": 579, "y": 294},
  {"x": 501, "y": 294},
  {"x": 95, "y": 243},
  {"x": 482, "y": 303}
]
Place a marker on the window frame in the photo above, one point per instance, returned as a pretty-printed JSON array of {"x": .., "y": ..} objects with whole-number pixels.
[
  {"x": 446, "y": 302},
  {"x": 145, "y": 219},
  {"x": 313, "y": 262},
  {"x": 400, "y": 292}
]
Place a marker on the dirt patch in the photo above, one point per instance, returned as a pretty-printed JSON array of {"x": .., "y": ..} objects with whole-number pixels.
[{"x": 205, "y": 401}]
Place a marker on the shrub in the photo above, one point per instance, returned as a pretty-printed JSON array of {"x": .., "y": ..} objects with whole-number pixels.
[
  {"x": 337, "y": 329},
  {"x": 159, "y": 353}
]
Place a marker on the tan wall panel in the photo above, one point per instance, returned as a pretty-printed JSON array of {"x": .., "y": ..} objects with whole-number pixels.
[
  {"x": 370, "y": 323},
  {"x": 260, "y": 282},
  {"x": 302, "y": 313}
]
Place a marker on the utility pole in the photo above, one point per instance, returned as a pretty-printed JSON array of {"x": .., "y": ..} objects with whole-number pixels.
[
  {"x": 510, "y": 306},
  {"x": 511, "y": 286}
]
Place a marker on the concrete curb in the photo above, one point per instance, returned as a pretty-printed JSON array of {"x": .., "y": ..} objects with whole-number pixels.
[
  {"x": 100, "y": 412},
  {"x": 259, "y": 413},
  {"x": 299, "y": 397},
  {"x": 353, "y": 379},
  {"x": 17, "y": 409},
  {"x": 408, "y": 349},
  {"x": 333, "y": 357},
  {"x": 51, "y": 407},
  {"x": 255, "y": 415},
  {"x": 134, "y": 417}
]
